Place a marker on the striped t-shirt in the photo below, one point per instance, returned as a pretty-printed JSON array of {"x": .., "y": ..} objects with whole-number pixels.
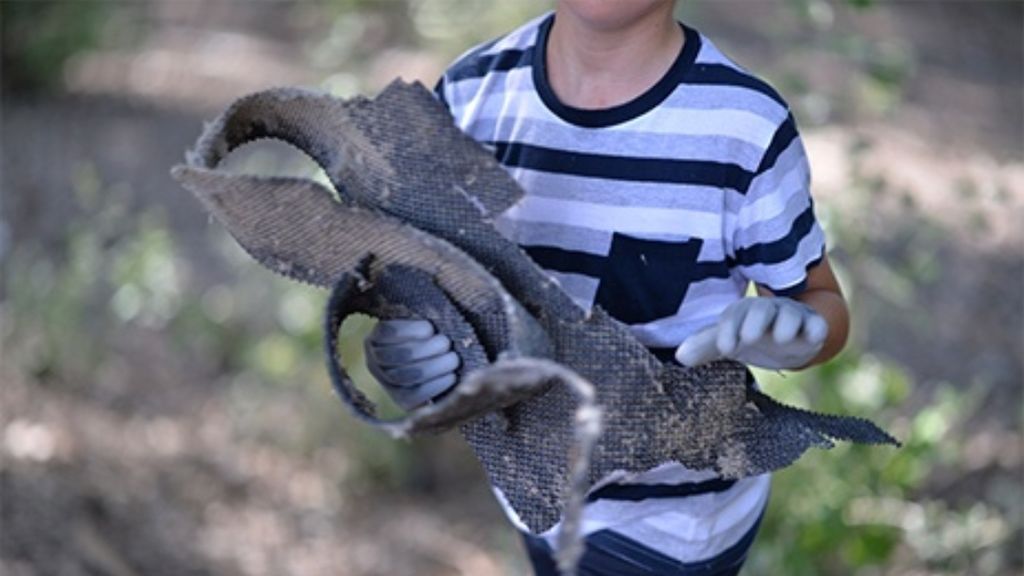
[{"x": 661, "y": 210}]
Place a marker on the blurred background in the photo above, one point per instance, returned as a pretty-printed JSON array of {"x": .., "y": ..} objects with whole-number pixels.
[{"x": 163, "y": 404}]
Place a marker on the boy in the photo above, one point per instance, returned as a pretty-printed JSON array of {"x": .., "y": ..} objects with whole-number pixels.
[{"x": 661, "y": 179}]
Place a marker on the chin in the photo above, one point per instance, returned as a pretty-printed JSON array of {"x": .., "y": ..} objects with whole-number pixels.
[{"x": 609, "y": 14}]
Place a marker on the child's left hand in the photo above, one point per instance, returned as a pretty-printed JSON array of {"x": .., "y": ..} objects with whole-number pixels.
[{"x": 770, "y": 332}]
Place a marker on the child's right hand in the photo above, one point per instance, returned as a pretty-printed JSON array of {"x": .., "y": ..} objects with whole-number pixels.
[{"x": 410, "y": 360}]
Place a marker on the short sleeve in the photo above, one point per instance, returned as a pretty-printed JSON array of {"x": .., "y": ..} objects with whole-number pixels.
[{"x": 776, "y": 238}]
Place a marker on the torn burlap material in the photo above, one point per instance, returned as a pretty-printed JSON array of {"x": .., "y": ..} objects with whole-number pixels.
[{"x": 410, "y": 234}]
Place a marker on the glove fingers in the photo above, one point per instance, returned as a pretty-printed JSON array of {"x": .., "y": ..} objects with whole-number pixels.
[
  {"x": 729, "y": 327},
  {"x": 395, "y": 331},
  {"x": 410, "y": 351},
  {"x": 788, "y": 322},
  {"x": 759, "y": 317},
  {"x": 699, "y": 348},
  {"x": 417, "y": 373},
  {"x": 409, "y": 398},
  {"x": 815, "y": 329},
  {"x": 372, "y": 366}
]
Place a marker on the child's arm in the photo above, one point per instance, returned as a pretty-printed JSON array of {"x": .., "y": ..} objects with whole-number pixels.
[{"x": 777, "y": 332}]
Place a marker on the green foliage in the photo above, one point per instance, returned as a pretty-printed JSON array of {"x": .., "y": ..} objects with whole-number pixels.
[
  {"x": 52, "y": 297},
  {"x": 873, "y": 73},
  {"x": 39, "y": 36},
  {"x": 851, "y": 509},
  {"x": 861, "y": 3},
  {"x": 49, "y": 299}
]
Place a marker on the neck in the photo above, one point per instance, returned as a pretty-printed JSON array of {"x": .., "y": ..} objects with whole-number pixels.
[{"x": 595, "y": 66}]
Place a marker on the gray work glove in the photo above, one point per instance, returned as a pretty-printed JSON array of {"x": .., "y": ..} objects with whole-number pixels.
[
  {"x": 410, "y": 360},
  {"x": 771, "y": 332}
]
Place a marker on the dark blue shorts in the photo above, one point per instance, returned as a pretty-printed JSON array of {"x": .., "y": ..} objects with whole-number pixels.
[{"x": 608, "y": 553}]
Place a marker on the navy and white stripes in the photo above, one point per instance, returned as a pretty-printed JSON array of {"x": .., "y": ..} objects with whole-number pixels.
[{"x": 661, "y": 210}]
